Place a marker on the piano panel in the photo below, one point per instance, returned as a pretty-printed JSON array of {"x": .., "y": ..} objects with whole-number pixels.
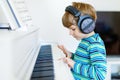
[
  {"x": 26, "y": 48},
  {"x": 18, "y": 52}
]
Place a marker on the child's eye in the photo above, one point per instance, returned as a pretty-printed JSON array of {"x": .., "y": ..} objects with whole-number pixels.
[{"x": 73, "y": 29}]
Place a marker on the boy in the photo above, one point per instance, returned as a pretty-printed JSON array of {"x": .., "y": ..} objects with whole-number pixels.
[{"x": 89, "y": 60}]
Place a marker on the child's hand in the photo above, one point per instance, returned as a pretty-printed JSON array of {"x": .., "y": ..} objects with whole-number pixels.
[
  {"x": 65, "y": 51},
  {"x": 69, "y": 61}
]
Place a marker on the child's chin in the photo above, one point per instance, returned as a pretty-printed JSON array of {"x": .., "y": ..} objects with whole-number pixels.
[{"x": 77, "y": 39}]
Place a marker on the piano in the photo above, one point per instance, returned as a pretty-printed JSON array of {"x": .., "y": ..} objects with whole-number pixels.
[
  {"x": 22, "y": 55},
  {"x": 19, "y": 48},
  {"x": 19, "y": 51},
  {"x": 49, "y": 67}
]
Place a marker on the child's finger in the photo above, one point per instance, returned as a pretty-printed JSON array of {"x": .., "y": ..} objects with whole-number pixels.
[{"x": 61, "y": 58}]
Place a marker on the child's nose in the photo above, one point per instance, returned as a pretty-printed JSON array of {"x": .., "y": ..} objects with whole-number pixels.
[{"x": 70, "y": 32}]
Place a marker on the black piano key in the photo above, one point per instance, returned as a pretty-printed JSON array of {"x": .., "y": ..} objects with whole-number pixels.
[
  {"x": 44, "y": 78},
  {"x": 45, "y": 51},
  {"x": 44, "y": 55},
  {"x": 43, "y": 65},
  {"x": 44, "y": 61},
  {"x": 43, "y": 68},
  {"x": 43, "y": 74}
]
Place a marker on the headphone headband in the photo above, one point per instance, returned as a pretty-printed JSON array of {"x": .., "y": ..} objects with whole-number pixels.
[{"x": 73, "y": 11}]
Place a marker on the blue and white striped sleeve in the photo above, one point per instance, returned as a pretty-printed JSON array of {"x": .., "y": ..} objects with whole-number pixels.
[{"x": 96, "y": 69}]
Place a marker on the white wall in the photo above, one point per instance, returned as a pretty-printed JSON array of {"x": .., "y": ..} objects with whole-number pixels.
[{"x": 47, "y": 15}]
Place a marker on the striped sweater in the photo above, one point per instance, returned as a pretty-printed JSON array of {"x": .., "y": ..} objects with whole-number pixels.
[{"x": 90, "y": 58}]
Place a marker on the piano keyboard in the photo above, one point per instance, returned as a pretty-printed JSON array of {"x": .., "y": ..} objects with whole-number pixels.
[{"x": 48, "y": 67}]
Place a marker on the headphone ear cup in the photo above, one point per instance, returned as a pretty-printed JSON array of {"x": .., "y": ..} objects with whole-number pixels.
[{"x": 86, "y": 24}]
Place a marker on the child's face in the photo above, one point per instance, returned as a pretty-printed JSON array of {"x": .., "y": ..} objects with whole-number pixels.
[{"x": 75, "y": 32}]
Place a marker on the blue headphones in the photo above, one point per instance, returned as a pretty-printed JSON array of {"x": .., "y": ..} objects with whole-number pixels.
[{"x": 85, "y": 22}]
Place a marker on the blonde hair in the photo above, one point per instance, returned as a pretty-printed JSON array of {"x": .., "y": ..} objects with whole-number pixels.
[{"x": 68, "y": 19}]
